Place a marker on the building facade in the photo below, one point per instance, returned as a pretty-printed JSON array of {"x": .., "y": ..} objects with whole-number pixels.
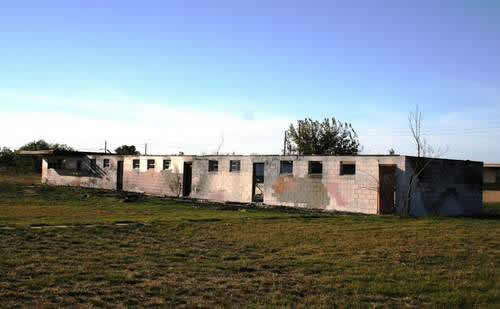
[
  {"x": 491, "y": 181},
  {"x": 370, "y": 184}
]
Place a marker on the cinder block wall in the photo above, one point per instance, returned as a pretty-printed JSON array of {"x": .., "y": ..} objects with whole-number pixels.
[
  {"x": 330, "y": 190},
  {"x": 446, "y": 187},
  {"x": 223, "y": 185},
  {"x": 102, "y": 177},
  {"x": 154, "y": 181}
]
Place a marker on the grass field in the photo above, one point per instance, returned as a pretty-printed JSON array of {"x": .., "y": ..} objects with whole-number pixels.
[{"x": 183, "y": 254}]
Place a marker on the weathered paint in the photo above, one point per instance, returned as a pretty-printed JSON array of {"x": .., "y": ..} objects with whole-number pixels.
[
  {"x": 452, "y": 189},
  {"x": 100, "y": 177},
  {"x": 155, "y": 181},
  {"x": 301, "y": 192}
]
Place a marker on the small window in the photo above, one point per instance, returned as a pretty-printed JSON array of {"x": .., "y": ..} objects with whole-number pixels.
[
  {"x": 52, "y": 164},
  {"x": 60, "y": 164},
  {"x": 234, "y": 165},
  {"x": 213, "y": 166},
  {"x": 93, "y": 164},
  {"x": 135, "y": 163},
  {"x": 286, "y": 167},
  {"x": 347, "y": 168},
  {"x": 79, "y": 165},
  {"x": 105, "y": 163},
  {"x": 315, "y": 167},
  {"x": 166, "y": 164},
  {"x": 151, "y": 164}
]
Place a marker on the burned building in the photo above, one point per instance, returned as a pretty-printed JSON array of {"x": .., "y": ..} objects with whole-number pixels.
[{"x": 370, "y": 184}]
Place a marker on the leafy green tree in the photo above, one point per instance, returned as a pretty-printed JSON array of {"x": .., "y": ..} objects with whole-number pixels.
[
  {"x": 23, "y": 162},
  {"x": 330, "y": 137},
  {"x": 7, "y": 157},
  {"x": 127, "y": 150},
  {"x": 43, "y": 145}
]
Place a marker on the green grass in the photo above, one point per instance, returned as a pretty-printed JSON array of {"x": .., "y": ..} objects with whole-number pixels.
[{"x": 185, "y": 254}]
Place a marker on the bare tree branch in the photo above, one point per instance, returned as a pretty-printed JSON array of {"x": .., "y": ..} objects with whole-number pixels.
[
  {"x": 221, "y": 143},
  {"x": 415, "y": 124}
]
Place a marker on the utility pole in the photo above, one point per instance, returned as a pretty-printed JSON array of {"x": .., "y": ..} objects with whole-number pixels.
[
  {"x": 145, "y": 148},
  {"x": 284, "y": 145},
  {"x": 105, "y": 146}
]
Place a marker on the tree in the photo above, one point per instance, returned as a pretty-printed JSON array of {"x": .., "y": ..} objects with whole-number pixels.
[
  {"x": 7, "y": 157},
  {"x": 40, "y": 144},
  {"x": 175, "y": 182},
  {"x": 43, "y": 145},
  {"x": 127, "y": 150},
  {"x": 425, "y": 155},
  {"x": 220, "y": 144},
  {"x": 330, "y": 137}
]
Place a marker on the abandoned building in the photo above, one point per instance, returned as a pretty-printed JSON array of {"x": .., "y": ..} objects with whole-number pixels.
[
  {"x": 370, "y": 184},
  {"x": 491, "y": 183}
]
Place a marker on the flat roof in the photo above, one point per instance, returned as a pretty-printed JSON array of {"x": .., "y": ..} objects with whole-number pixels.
[
  {"x": 491, "y": 165},
  {"x": 80, "y": 153},
  {"x": 35, "y": 152},
  {"x": 68, "y": 153},
  {"x": 56, "y": 152}
]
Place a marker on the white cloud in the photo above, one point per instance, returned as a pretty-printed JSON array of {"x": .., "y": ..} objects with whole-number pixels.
[
  {"x": 166, "y": 129},
  {"x": 86, "y": 123}
]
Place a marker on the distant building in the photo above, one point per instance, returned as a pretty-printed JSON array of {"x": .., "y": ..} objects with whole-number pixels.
[
  {"x": 491, "y": 180},
  {"x": 370, "y": 184}
]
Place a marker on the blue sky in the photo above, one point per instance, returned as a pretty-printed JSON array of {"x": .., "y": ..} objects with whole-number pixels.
[{"x": 181, "y": 74}]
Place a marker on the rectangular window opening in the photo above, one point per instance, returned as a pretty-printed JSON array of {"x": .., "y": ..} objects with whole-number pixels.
[
  {"x": 315, "y": 167},
  {"x": 151, "y": 164},
  {"x": 79, "y": 165},
  {"x": 234, "y": 165},
  {"x": 213, "y": 166},
  {"x": 166, "y": 164},
  {"x": 105, "y": 163},
  {"x": 286, "y": 167},
  {"x": 135, "y": 163},
  {"x": 347, "y": 168}
]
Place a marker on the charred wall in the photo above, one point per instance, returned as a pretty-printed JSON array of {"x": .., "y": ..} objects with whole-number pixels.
[
  {"x": 78, "y": 171},
  {"x": 445, "y": 187}
]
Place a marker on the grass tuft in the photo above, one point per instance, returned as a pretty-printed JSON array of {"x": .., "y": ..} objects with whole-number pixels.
[{"x": 165, "y": 253}]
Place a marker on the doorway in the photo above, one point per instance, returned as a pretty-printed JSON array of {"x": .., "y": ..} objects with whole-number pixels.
[
  {"x": 186, "y": 179},
  {"x": 258, "y": 183},
  {"x": 387, "y": 194},
  {"x": 119, "y": 176}
]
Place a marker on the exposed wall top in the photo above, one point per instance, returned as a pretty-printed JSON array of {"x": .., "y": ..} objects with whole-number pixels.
[
  {"x": 63, "y": 153},
  {"x": 491, "y": 165},
  {"x": 83, "y": 153},
  {"x": 76, "y": 153}
]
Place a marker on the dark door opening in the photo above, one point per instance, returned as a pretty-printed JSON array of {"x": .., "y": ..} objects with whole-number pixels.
[
  {"x": 119, "y": 176},
  {"x": 258, "y": 183},
  {"x": 387, "y": 179},
  {"x": 186, "y": 179}
]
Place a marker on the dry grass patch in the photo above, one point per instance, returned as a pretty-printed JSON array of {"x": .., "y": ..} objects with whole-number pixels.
[{"x": 192, "y": 255}]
